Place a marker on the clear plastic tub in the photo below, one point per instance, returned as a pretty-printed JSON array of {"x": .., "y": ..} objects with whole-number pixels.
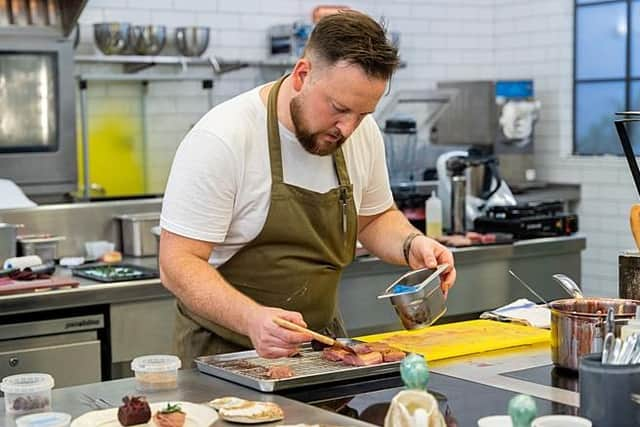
[
  {"x": 45, "y": 419},
  {"x": 156, "y": 372},
  {"x": 25, "y": 393}
]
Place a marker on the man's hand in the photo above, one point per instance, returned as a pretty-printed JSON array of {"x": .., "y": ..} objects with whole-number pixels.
[
  {"x": 271, "y": 340},
  {"x": 426, "y": 252}
]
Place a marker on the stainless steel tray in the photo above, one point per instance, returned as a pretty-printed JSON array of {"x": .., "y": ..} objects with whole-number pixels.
[{"x": 248, "y": 369}]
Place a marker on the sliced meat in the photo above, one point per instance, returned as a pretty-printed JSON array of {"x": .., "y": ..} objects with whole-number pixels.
[
  {"x": 393, "y": 355},
  {"x": 334, "y": 354},
  {"x": 278, "y": 372},
  {"x": 474, "y": 237},
  {"x": 455, "y": 240},
  {"x": 379, "y": 346},
  {"x": 365, "y": 359},
  {"x": 361, "y": 348},
  {"x": 488, "y": 238}
]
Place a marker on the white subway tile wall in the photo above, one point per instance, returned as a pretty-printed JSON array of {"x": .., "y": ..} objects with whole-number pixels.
[
  {"x": 440, "y": 40},
  {"x": 535, "y": 39}
]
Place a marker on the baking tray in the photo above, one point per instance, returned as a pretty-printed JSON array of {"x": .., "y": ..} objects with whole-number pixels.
[
  {"x": 89, "y": 272},
  {"x": 309, "y": 368}
]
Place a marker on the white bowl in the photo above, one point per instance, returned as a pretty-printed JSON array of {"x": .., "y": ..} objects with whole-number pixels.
[
  {"x": 495, "y": 421},
  {"x": 561, "y": 421}
]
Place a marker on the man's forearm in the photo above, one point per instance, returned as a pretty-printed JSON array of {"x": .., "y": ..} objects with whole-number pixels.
[
  {"x": 205, "y": 292},
  {"x": 384, "y": 236}
]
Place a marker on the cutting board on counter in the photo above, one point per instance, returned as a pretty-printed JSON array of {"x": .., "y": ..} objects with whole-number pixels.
[
  {"x": 9, "y": 286},
  {"x": 462, "y": 338}
]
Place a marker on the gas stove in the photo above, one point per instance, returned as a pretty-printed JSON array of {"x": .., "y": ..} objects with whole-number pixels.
[{"x": 528, "y": 221}]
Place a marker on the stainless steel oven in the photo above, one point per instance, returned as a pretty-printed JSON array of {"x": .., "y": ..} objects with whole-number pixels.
[{"x": 37, "y": 114}]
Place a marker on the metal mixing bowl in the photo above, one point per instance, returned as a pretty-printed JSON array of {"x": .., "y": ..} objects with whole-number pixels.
[
  {"x": 112, "y": 38},
  {"x": 192, "y": 41},
  {"x": 148, "y": 39}
]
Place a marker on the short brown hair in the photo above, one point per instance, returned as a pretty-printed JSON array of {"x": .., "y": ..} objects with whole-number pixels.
[{"x": 355, "y": 38}]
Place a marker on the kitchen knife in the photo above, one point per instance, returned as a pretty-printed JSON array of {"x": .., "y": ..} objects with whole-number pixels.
[{"x": 316, "y": 336}]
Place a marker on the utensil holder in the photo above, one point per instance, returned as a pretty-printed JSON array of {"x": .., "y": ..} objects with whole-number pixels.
[
  {"x": 605, "y": 392},
  {"x": 629, "y": 275}
]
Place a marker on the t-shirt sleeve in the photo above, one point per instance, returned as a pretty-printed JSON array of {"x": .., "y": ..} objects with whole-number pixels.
[
  {"x": 376, "y": 194},
  {"x": 200, "y": 193}
]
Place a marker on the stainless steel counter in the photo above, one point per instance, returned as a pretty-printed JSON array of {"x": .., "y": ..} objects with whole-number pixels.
[
  {"x": 93, "y": 293},
  {"x": 192, "y": 387},
  {"x": 89, "y": 292},
  {"x": 483, "y": 281},
  {"x": 458, "y": 378}
]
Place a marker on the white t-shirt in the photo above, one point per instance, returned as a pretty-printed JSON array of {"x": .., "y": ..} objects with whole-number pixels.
[{"x": 219, "y": 188}]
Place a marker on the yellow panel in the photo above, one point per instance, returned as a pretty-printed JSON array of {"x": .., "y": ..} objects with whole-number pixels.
[
  {"x": 115, "y": 148},
  {"x": 462, "y": 338}
]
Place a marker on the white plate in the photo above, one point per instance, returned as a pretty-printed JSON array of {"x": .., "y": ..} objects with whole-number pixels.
[{"x": 197, "y": 416}]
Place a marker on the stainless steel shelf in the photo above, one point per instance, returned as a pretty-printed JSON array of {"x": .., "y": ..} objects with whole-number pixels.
[
  {"x": 126, "y": 77},
  {"x": 135, "y": 63},
  {"x": 141, "y": 59},
  {"x": 424, "y": 187}
]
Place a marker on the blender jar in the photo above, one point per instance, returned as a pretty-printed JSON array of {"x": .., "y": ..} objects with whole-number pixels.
[{"x": 400, "y": 142}]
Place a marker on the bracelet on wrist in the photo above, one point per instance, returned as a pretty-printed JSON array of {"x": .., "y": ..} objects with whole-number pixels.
[{"x": 406, "y": 245}]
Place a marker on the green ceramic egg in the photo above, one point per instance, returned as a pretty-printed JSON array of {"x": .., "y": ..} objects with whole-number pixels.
[
  {"x": 414, "y": 372},
  {"x": 522, "y": 410}
]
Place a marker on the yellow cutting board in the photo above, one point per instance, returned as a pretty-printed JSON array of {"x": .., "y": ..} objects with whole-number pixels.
[{"x": 461, "y": 338}]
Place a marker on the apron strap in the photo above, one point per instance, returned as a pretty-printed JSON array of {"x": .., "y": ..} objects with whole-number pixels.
[
  {"x": 341, "y": 167},
  {"x": 273, "y": 133}
]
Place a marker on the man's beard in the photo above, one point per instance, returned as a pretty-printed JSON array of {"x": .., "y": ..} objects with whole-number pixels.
[{"x": 310, "y": 141}]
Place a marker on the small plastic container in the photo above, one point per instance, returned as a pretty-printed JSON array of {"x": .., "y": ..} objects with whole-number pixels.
[
  {"x": 25, "y": 393},
  {"x": 45, "y": 419},
  {"x": 156, "y": 372}
]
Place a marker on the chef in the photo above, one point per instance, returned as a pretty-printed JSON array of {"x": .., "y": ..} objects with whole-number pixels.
[{"x": 269, "y": 192}]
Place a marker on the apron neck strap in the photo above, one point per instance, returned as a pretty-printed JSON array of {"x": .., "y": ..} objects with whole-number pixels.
[
  {"x": 273, "y": 133},
  {"x": 341, "y": 167}
]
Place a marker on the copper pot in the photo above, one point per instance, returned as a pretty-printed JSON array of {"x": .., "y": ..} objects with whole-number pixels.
[{"x": 577, "y": 326}]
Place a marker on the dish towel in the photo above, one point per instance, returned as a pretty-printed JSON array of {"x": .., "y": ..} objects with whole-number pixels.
[{"x": 521, "y": 311}]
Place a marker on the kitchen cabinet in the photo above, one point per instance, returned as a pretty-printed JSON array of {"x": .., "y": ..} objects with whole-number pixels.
[
  {"x": 140, "y": 328},
  {"x": 69, "y": 349}
]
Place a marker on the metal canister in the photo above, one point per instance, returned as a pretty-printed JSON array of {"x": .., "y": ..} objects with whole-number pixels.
[
  {"x": 8, "y": 241},
  {"x": 458, "y": 203},
  {"x": 629, "y": 275}
]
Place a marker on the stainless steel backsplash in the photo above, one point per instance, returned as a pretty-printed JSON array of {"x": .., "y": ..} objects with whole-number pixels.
[{"x": 79, "y": 222}]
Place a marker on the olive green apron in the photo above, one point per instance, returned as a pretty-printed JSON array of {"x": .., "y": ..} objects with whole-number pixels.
[{"x": 294, "y": 263}]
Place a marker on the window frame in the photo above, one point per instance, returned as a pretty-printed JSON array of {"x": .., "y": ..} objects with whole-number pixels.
[{"x": 627, "y": 80}]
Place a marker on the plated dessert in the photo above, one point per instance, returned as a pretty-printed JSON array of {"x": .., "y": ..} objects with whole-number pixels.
[
  {"x": 137, "y": 411},
  {"x": 238, "y": 410}
]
